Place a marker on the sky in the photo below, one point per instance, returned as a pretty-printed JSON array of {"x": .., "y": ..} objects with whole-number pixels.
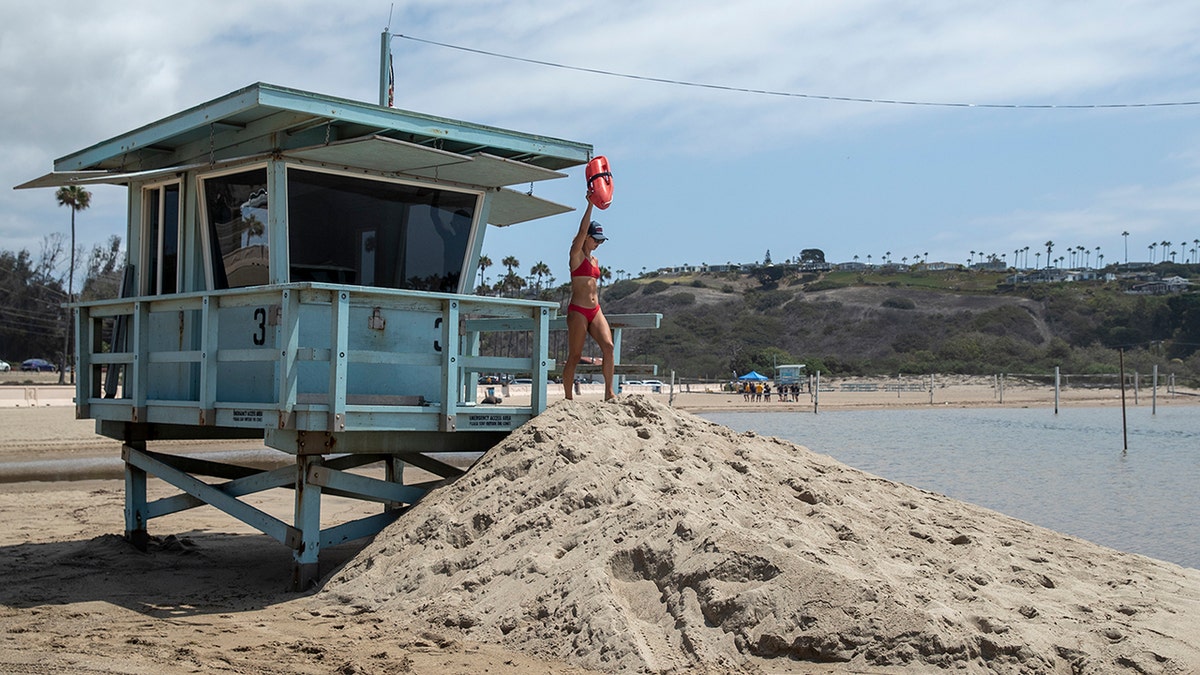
[{"x": 702, "y": 174}]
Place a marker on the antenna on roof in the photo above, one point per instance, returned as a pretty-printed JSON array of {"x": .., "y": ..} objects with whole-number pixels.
[{"x": 387, "y": 80}]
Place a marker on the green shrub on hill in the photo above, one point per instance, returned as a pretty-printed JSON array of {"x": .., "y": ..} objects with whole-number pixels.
[
  {"x": 900, "y": 303},
  {"x": 656, "y": 286},
  {"x": 621, "y": 289},
  {"x": 826, "y": 285}
]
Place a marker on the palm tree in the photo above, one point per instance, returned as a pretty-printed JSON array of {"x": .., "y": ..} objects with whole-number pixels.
[
  {"x": 1166, "y": 250},
  {"x": 78, "y": 199},
  {"x": 484, "y": 263},
  {"x": 512, "y": 283},
  {"x": 1152, "y": 247},
  {"x": 1037, "y": 258},
  {"x": 540, "y": 270},
  {"x": 1049, "y": 249},
  {"x": 1126, "y": 235},
  {"x": 972, "y": 258},
  {"x": 511, "y": 263}
]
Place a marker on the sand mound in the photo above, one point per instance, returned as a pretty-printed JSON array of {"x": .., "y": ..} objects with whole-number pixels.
[{"x": 633, "y": 537}]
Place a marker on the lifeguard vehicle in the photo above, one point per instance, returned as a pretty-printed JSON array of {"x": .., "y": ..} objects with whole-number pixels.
[{"x": 300, "y": 270}]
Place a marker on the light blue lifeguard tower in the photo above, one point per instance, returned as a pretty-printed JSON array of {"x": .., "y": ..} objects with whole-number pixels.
[{"x": 300, "y": 269}]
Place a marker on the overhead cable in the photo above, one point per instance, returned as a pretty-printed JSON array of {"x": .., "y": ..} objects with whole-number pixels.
[{"x": 818, "y": 97}]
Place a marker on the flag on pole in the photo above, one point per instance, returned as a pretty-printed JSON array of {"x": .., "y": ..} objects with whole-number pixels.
[{"x": 391, "y": 93}]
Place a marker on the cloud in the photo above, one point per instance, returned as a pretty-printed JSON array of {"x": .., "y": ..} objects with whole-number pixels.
[{"x": 75, "y": 73}]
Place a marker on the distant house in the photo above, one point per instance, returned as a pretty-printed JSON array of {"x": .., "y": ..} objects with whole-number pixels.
[
  {"x": 678, "y": 270},
  {"x": 1161, "y": 287},
  {"x": 854, "y": 266},
  {"x": 992, "y": 265},
  {"x": 1049, "y": 275},
  {"x": 1134, "y": 266}
]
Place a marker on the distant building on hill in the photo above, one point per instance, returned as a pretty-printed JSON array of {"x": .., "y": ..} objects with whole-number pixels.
[
  {"x": 1167, "y": 286},
  {"x": 992, "y": 265}
]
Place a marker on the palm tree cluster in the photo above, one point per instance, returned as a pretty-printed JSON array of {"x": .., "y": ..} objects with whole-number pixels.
[
  {"x": 538, "y": 284},
  {"x": 1073, "y": 256}
]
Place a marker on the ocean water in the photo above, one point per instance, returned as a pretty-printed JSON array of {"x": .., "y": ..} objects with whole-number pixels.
[{"x": 1067, "y": 472}]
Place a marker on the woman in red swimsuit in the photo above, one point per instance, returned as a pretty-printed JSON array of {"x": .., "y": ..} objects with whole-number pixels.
[{"x": 584, "y": 317}]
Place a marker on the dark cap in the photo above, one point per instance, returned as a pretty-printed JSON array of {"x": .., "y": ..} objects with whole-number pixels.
[{"x": 595, "y": 231}]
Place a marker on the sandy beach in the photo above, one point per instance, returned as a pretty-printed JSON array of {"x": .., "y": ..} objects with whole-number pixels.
[{"x": 599, "y": 538}]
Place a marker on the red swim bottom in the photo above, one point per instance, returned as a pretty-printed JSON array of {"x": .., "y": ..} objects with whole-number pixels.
[{"x": 588, "y": 313}]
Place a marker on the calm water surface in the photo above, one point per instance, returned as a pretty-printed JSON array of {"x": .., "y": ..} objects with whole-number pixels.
[{"x": 1066, "y": 472}]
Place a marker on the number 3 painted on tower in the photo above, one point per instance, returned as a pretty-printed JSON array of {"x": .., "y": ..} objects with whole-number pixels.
[{"x": 260, "y": 315}]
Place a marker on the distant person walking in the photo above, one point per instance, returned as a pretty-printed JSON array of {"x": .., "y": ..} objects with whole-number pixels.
[{"x": 584, "y": 316}]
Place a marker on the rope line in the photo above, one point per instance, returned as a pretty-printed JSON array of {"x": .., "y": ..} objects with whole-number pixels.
[{"x": 817, "y": 97}]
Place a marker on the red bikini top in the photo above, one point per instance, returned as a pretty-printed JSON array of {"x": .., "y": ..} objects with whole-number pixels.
[{"x": 586, "y": 269}]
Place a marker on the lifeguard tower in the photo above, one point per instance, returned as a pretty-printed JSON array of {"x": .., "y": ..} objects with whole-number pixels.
[{"x": 300, "y": 269}]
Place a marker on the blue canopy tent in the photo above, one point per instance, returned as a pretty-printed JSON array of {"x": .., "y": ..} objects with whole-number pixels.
[{"x": 754, "y": 376}]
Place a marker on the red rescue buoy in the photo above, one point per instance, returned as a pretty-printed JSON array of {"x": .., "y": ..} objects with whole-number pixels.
[{"x": 599, "y": 182}]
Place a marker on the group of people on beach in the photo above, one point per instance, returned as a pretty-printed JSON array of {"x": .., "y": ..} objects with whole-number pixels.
[{"x": 761, "y": 391}]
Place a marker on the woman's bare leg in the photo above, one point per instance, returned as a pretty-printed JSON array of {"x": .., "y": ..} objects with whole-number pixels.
[
  {"x": 602, "y": 334},
  {"x": 577, "y": 331}
]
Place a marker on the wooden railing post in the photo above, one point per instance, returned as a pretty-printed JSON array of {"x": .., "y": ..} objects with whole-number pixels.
[
  {"x": 339, "y": 358},
  {"x": 450, "y": 377}
]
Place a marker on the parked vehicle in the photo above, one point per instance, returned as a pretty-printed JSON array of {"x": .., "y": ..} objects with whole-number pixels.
[
  {"x": 38, "y": 365},
  {"x": 5, "y": 367},
  {"x": 652, "y": 383}
]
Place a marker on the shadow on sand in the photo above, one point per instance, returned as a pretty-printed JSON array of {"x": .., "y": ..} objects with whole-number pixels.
[{"x": 187, "y": 574}]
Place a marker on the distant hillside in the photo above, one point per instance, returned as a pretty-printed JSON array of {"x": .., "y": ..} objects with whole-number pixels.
[{"x": 955, "y": 321}]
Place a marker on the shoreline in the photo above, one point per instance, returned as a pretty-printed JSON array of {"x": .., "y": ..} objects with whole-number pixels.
[{"x": 45, "y": 445}]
